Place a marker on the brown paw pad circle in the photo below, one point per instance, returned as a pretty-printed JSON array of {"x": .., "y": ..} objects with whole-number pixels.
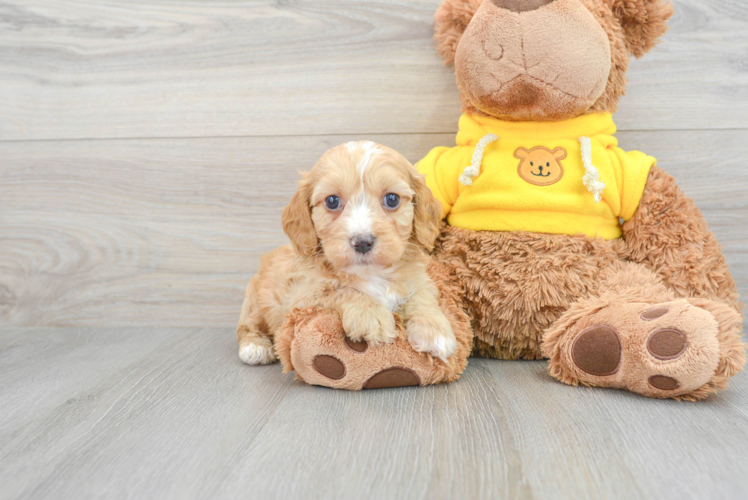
[
  {"x": 393, "y": 377},
  {"x": 357, "y": 346},
  {"x": 667, "y": 344},
  {"x": 597, "y": 351},
  {"x": 329, "y": 366},
  {"x": 663, "y": 383},
  {"x": 653, "y": 314}
]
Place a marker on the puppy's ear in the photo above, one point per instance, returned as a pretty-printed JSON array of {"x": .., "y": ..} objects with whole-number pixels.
[
  {"x": 451, "y": 20},
  {"x": 426, "y": 214},
  {"x": 643, "y": 22},
  {"x": 297, "y": 220}
]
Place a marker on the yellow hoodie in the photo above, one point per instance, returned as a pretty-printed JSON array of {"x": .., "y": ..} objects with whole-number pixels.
[{"x": 564, "y": 177}]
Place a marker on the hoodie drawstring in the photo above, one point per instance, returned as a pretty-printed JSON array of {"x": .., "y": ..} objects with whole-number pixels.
[
  {"x": 590, "y": 179},
  {"x": 472, "y": 170}
]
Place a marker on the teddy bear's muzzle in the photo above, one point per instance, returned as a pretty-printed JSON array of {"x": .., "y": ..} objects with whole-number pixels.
[{"x": 533, "y": 59}]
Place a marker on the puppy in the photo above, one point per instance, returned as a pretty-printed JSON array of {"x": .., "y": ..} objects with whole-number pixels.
[{"x": 361, "y": 224}]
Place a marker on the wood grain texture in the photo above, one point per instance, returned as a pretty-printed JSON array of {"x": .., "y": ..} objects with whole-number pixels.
[
  {"x": 146, "y": 151},
  {"x": 190, "y": 68},
  {"x": 168, "y": 232},
  {"x": 184, "y": 418}
]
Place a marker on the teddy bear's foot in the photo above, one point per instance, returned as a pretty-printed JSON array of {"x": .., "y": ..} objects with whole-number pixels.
[
  {"x": 314, "y": 345},
  {"x": 682, "y": 349}
]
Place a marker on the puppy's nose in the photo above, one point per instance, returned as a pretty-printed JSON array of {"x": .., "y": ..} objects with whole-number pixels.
[
  {"x": 521, "y": 5},
  {"x": 363, "y": 244}
]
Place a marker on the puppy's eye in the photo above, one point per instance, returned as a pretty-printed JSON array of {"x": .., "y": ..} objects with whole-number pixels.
[
  {"x": 391, "y": 200},
  {"x": 332, "y": 202}
]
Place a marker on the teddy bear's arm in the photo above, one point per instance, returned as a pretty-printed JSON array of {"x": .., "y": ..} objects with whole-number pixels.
[{"x": 668, "y": 234}]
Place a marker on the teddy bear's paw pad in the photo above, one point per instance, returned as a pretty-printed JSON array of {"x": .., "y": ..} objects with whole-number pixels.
[
  {"x": 654, "y": 313},
  {"x": 667, "y": 343},
  {"x": 356, "y": 345},
  {"x": 597, "y": 351},
  {"x": 663, "y": 383},
  {"x": 329, "y": 366},
  {"x": 393, "y": 377}
]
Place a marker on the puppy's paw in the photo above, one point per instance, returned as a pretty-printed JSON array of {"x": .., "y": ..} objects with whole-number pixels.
[
  {"x": 432, "y": 334},
  {"x": 375, "y": 325},
  {"x": 257, "y": 353}
]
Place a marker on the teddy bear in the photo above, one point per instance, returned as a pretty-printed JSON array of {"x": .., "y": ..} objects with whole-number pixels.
[
  {"x": 584, "y": 254},
  {"x": 555, "y": 242}
]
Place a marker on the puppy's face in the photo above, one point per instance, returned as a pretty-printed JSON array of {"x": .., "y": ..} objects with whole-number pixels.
[{"x": 362, "y": 205}]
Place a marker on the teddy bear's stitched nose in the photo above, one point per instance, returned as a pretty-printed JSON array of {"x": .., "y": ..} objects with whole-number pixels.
[{"x": 521, "y": 5}]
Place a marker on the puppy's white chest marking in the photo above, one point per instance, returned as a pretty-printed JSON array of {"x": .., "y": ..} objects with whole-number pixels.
[{"x": 378, "y": 287}]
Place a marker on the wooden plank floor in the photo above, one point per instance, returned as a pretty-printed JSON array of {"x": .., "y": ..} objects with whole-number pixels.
[
  {"x": 173, "y": 413},
  {"x": 147, "y": 148}
]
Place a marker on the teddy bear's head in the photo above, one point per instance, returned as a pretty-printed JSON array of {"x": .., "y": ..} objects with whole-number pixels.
[{"x": 545, "y": 59}]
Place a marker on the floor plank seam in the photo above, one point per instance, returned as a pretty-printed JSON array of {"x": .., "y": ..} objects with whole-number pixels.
[{"x": 330, "y": 134}]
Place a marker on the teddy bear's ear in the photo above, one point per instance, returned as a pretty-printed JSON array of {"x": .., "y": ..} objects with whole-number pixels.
[
  {"x": 452, "y": 18},
  {"x": 643, "y": 22}
]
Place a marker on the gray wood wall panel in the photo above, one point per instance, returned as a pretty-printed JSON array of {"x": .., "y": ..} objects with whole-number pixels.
[
  {"x": 190, "y": 68},
  {"x": 168, "y": 232}
]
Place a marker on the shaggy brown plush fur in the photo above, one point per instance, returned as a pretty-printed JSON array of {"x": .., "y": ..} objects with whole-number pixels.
[
  {"x": 521, "y": 287},
  {"x": 518, "y": 284},
  {"x": 309, "y": 333},
  {"x": 669, "y": 235},
  {"x": 534, "y": 295}
]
